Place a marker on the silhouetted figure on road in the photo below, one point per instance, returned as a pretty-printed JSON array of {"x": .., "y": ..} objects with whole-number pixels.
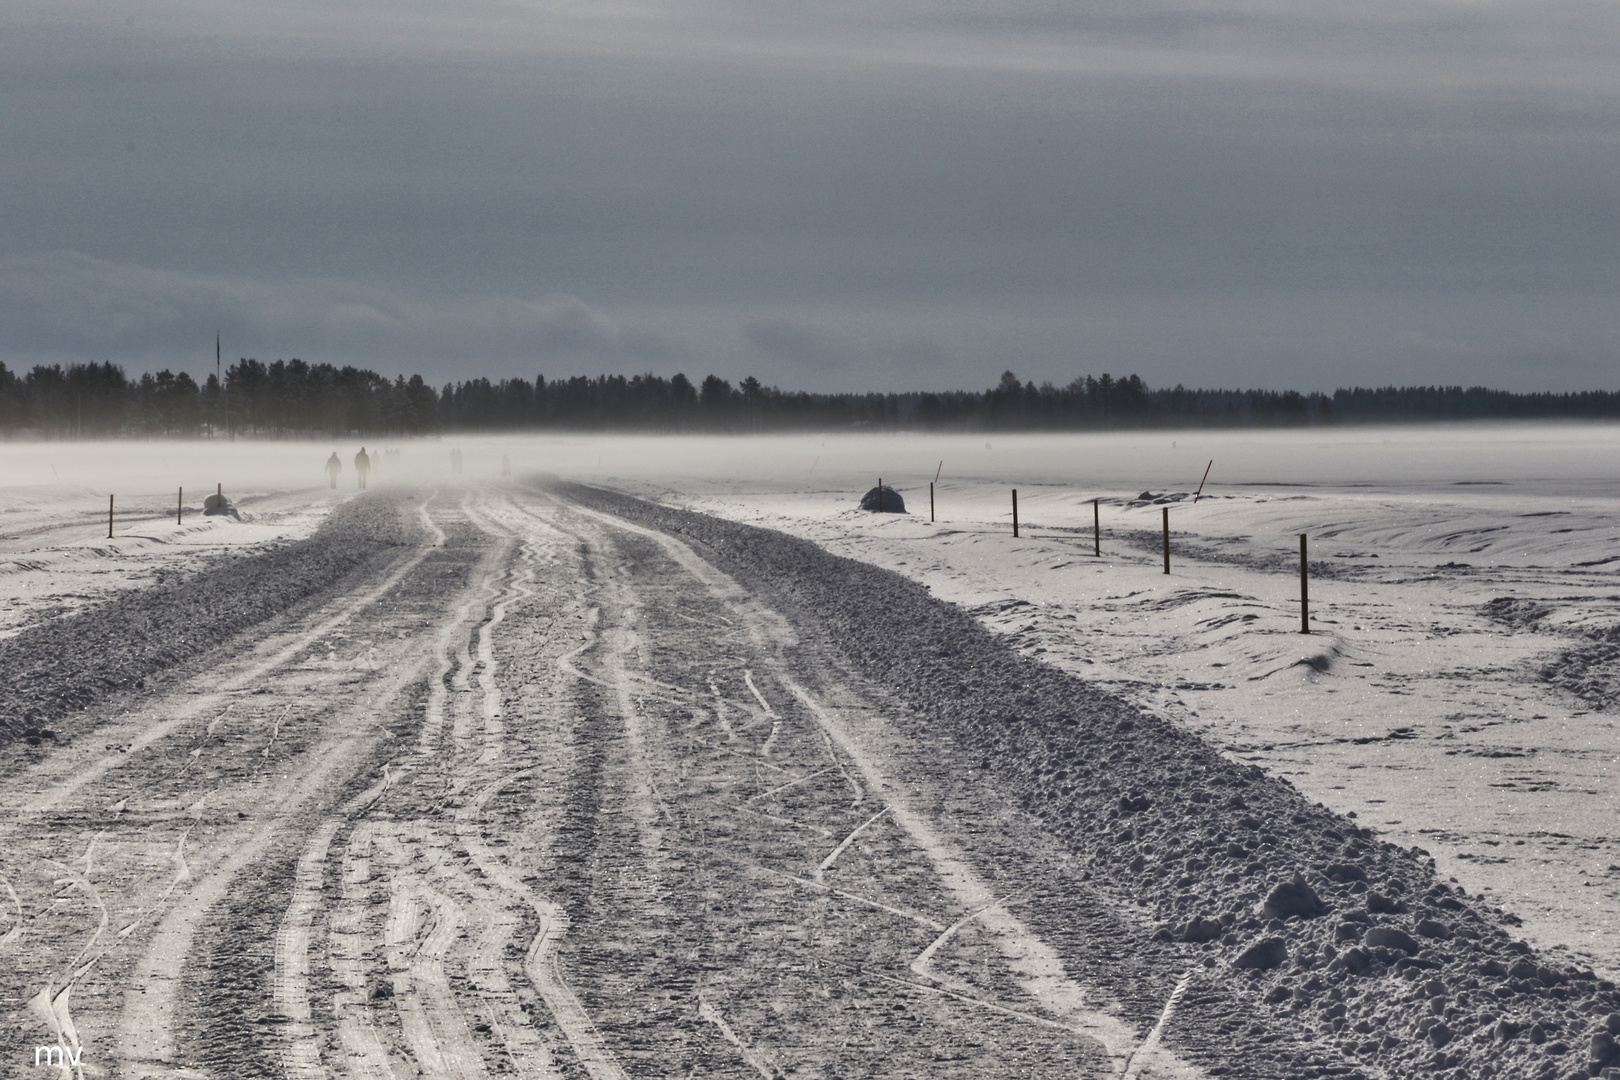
[
  {"x": 333, "y": 467},
  {"x": 455, "y": 461},
  {"x": 362, "y": 465}
]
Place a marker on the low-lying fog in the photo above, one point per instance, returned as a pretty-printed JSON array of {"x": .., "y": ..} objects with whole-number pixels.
[{"x": 1562, "y": 459}]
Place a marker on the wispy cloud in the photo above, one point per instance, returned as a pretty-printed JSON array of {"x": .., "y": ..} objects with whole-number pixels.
[
  {"x": 65, "y": 305},
  {"x": 1383, "y": 45}
]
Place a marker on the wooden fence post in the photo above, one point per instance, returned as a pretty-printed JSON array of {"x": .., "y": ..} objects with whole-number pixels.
[
  {"x": 1015, "y": 513},
  {"x": 1096, "y": 527},
  {"x": 1304, "y": 589},
  {"x": 1167, "y": 539},
  {"x": 930, "y": 503},
  {"x": 179, "y": 506},
  {"x": 880, "y": 495},
  {"x": 109, "y": 517}
]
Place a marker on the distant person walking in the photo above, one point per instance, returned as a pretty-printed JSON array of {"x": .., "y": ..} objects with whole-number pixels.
[
  {"x": 333, "y": 467},
  {"x": 362, "y": 465}
]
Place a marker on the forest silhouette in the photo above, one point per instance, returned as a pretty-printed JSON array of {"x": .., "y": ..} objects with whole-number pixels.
[{"x": 291, "y": 398}]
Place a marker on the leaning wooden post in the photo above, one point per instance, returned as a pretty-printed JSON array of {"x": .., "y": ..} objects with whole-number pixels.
[
  {"x": 930, "y": 504},
  {"x": 1304, "y": 589},
  {"x": 1167, "y": 539},
  {"x": 1015, "y": 513},
  {"x": 179, "y": 506},
  {"x": 1096, "y": 527},
  {"x": 109, "y": 517}
]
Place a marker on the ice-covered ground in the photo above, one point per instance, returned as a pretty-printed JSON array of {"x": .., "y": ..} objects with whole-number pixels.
[
  {"x": 56, "y": 556},
  {"x": 1417, "y": 704}
]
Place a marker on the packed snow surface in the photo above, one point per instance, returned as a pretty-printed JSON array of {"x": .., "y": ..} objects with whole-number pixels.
[{"x": 1455, "y": 693}]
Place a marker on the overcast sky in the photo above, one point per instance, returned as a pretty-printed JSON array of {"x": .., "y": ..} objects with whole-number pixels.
[{"x": 882, "y": 194}]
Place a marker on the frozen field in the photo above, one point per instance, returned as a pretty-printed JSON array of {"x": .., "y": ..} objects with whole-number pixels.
[
  {"x": 1437, "y": 717},
  {"x": 55, "y": 554},
  {"x": 676, "y": 754},
  {"x": 1417, "y": 704}
]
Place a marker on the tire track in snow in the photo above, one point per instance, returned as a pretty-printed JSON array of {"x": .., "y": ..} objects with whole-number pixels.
[
  {"x": 542, "y": 963},
  {"x": 15, "y": 933},
  {"x": 289, "y": 987},
  {"x": 434, "y": 1025},
  {"x": 146, "y": 1043},
  {"x": 826, "y": 864},
  {"x": 432, "y": 1015},
  {"x": 273, "y": 654},
  {"x": 761, "y": 631},
  {"x": 756, "y": 1060},
  {"x": 349, "y": 941},
  {"x": 1037, "y": 968},
  {"x": 770, "y": 714},
  {"x": 54, "y": 1006}
]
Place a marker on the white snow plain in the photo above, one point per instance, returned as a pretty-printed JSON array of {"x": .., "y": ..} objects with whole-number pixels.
[
  {"x": 56, "y": 556},
  {"x": 1409, "y": 705}
]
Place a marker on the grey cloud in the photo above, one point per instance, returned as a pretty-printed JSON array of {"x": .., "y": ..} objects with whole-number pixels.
[
  {"x": 799, "y": 345},
  {"x": 847, "y": 194},
  {"x": 1385, "y": 44},
  {"x": 820, "y": 352},
  {"x": 65, "y": 305}
]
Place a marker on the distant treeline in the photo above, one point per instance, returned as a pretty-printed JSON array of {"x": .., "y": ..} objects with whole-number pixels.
[{"x": 292, "y": 398}]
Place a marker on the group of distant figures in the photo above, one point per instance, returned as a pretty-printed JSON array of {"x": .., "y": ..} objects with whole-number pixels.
[{"x": 362, "y": 465}]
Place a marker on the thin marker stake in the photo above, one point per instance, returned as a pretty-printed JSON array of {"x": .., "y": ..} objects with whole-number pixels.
[
  {"x": 1015, "y": 513},
  {"x": 1096, "y": 527},
  {"x": 1304, "y": 589},
  {"x": 937, "y": 471},
  {"x": 1206, "y": 477},
  {"x": 179, "y": 505},
  {"x": 930, "y": 504},
  {"x": 880, "y": 494},
  {"x": 1167, "y": 539},
  {"x": 109, "y": 517}
]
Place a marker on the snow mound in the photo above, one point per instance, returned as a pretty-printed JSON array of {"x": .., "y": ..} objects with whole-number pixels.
[{"x": 883, "y": 500}]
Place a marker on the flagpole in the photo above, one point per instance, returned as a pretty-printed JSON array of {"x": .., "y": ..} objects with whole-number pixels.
[{"x": 219, "y": 377}]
